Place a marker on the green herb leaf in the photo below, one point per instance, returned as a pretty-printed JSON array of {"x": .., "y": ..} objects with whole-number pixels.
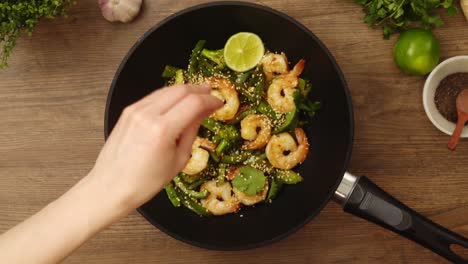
[
  {"x": 17, "y": 16},
  {"x": 397, "y": 15},
  {"x": 249, "y": 180}
]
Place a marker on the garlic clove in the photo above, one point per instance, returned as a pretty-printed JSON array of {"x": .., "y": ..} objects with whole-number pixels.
[
  {"x": 120, "y": 10},
  {"x": 464, "y": 6}
]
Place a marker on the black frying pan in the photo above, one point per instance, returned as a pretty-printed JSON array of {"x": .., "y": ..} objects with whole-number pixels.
[{"x": 330, "y": 134}]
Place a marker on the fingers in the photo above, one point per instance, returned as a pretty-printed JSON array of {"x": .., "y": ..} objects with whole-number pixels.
[
  {"x": 163, "y": 99},
  {"x": 190, "y": 109},
  {"x": 185, "y": 144}
]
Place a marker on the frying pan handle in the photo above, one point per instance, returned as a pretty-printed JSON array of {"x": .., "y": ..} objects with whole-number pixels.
[{"x": 366, "y": 200}]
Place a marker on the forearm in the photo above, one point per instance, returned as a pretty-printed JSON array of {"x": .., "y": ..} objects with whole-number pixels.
[{"x": 61, "y": 227}]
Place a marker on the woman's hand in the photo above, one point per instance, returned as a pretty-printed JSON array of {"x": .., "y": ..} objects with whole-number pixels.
[{"x": 151, "y": 143}]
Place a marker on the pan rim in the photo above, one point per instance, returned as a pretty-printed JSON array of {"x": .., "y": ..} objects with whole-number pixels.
[{"x": 348, "y": 101}]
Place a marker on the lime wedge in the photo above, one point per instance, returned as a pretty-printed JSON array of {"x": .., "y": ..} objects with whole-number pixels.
[{"x": 243, "y": 51}]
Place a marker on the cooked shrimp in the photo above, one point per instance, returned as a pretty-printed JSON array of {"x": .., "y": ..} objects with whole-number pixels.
[
  {"x": 199, "y": 159},
  {"x": 257, "y": 130},
  {"x": 284, "y": 153},
  {"x": 225, "y": 91},
  {"x": 251, "y": 199},
  {"x": 274, "y": 64},
  {"x": 220, "y": 200},
  {"x": 280, "y": 92}
]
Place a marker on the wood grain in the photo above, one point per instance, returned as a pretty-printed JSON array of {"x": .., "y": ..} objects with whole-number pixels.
[{"x": 52, "y": 105}]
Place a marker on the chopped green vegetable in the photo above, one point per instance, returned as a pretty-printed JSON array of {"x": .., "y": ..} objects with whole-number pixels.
[
  {"x": 214, "y": 156},
  {"x": 290, "y": 122},
  {"x": 236, "y": 158},
  {"x": 221, "y": 146},
  {"x": 197, "y": 195},
  {"x": 206, "y": 68},
  {"x": 249, "y": 180},
  {"x": 216, "y": 56},
  {"x": 397, "y": 15},
  {"x": 304, "y": 87},
  {"x": 196, "y": 184},
  {"x": 260, "y": 162},
  {"x": 189, "y": 178},
  {"x": 194, "y": 57},
  {"x": 170, "y": 71},
  {"x": 241, "y": 78},
  {"x": 192, "y": 204},
  {"x": 275, "y": 188},
  {"x": 266, "y": 109},
  {"x": 260, "y": 81},
  {"x": 221, "y": 173},
  {"x": 222, "y": 132},
  {"x": 288, "y": 177},
  {"x": 305, "y": 105},
  {"x": 241, "y": 116},
  {"x": 179, "y": 77},
  {"x": 172, "y": 195}
]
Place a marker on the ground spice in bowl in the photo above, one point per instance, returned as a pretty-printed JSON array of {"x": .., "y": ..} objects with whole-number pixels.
[{"x": 446, "y": 94}]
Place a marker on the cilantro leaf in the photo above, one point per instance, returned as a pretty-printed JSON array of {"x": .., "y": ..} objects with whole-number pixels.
[
  {"x": 249, "y": 180},
  {"x": 305, "y": 105},
  {"x": 397, "y": 15}
]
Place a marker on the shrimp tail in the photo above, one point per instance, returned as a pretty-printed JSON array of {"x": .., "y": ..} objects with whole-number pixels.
[{"x": 298, "y": 68}]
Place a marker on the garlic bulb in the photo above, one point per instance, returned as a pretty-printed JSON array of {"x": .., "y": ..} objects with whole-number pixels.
[{"x": 120, "y": 10}]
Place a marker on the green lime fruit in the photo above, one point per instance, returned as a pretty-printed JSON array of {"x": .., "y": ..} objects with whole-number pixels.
[
  {"x": 243, "y": 51},
  {"x": 416, "y": 52}
]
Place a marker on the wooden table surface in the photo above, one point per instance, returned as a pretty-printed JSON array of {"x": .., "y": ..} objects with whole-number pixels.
[{"x": 52, "y": 101}]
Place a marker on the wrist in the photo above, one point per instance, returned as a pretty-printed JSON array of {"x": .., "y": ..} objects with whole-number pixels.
[{"x": 112, "y": 203}]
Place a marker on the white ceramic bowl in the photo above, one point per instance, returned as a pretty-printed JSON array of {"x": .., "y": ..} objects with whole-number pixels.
[{"x": 447, "y": 67}]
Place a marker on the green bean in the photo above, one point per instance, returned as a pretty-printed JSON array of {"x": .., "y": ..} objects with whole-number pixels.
[
  {"x": 197, "y": 195},
  {"x": 212, "y": 125},
  {"x": 193, "y": 62},
  {"x": 288, "y": 177},
  {"x": 189, "y": 178},
  {"x": 241, "y": 78},
  {"x": 266, "y": 109},
  {"x": 233, "y": 159},
  {"x": 222, "y": 131},
  {"x": 290, "y": 122},
  {"x": 221, "y": 146},
  {"x": 261, "y": 84},
  {"x": 214, "y": 156},
  {"x": 172, "y": 195},
  {"x": 221, "y": 173},
  {"x": 241, "y": 116},
  {"x": 275, "y": 187},
  {"x": 196, "y": 184},
  {"x": 249, "y": 95},
  {"x": 206, "y": 68},
  {"x": 192, "y": 204}
]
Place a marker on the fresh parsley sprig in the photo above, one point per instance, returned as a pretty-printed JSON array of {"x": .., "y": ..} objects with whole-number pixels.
[
  {"x": 398, "y": 15},
  {"x": 17, "y": 16}
]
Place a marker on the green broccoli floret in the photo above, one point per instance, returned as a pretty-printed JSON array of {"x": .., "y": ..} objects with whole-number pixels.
[
  {"x": 217, "y": 56},
  {"x": 225, "y": 136}
]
